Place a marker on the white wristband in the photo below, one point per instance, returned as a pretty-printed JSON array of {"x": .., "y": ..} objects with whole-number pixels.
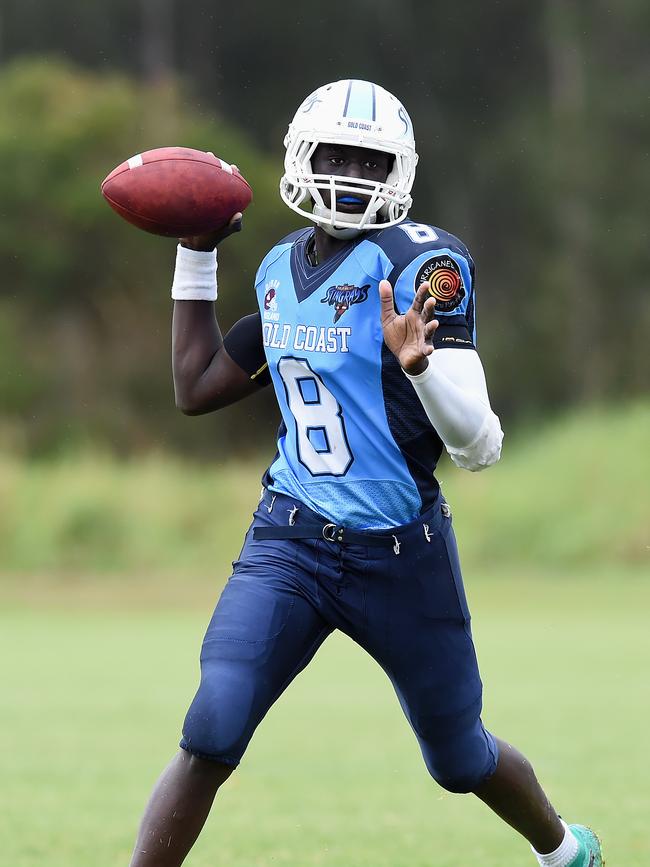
[{"x": 195, "y": 276}]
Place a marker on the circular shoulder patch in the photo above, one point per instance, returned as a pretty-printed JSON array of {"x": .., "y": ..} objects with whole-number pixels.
[{"x": 445, "y": 282}]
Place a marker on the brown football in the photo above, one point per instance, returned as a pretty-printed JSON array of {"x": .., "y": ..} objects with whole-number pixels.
[{"x": 176, "y": 192}]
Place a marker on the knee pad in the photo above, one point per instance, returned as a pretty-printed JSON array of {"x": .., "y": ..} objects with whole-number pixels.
[
  {"x": 463, "y": 761},
  {"x": 219, "y": 722}
]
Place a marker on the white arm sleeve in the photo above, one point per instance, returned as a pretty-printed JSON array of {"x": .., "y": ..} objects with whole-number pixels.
[{"x": 453, "y": 392}]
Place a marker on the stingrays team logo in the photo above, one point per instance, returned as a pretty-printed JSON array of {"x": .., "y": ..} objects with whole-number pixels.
[
  {"x": 341, "y": 298},
  {"x": 445, "y": 282}
]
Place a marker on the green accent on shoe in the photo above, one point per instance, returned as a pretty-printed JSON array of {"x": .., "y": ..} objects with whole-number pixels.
[{"x": 590, "y": 854}]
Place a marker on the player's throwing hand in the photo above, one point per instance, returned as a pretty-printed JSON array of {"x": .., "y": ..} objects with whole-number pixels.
[
  {"x": 213, "y": 239},
  {"x": 409, "y": 336}
]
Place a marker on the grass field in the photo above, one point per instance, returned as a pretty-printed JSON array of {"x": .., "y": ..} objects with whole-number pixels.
[
  {"x": 109, "y": 571},
  {"x": 93, "y": 698}
]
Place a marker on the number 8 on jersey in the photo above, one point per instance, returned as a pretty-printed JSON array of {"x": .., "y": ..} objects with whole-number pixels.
[{"x": 320, "y": 429}]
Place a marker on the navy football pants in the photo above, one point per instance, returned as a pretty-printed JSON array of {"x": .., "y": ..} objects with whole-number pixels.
[{"x": 407, "y": 609}]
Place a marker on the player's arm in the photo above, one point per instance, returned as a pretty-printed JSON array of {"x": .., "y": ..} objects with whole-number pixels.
[
  {"x": 450, "y": 383},
  {"x": 206, "y": 376}
]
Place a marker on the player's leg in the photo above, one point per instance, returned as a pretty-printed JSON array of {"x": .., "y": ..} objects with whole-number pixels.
[
  {"x": 262, "y": 634},
  {"x": 423, "y": 641},
  {"x": 177, "y": 809},
  {"x": 514, "y": 793}
]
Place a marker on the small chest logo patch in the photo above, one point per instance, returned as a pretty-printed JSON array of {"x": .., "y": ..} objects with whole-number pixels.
[
  {"x": 445, "y": 282},
  {"x": 271, "y": 290},
  {"x": 343, "y": 297},
  {"x": 270, "y": 303},
  {"x": 269, "y": 300}
]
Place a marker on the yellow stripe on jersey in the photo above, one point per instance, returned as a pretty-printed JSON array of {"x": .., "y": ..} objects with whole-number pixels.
[{"x": 261, "y": 370}]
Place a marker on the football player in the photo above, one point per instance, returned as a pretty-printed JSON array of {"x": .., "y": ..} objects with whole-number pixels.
[{"x": 366, "y": 329}]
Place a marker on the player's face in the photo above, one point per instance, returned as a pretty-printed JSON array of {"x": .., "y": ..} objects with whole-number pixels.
[{"x": 350, "y": 162}]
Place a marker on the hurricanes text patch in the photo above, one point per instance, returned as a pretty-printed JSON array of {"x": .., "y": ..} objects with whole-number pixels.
[{"x": 445, "y": 282}]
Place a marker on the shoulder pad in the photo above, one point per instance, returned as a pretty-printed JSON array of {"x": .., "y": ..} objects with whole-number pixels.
[
  {"x": 407, "y": 240},
  {"x": 429, "y": 254},
  {"x": 294, "y": 236},
  {"x": 275, "y": 252}
]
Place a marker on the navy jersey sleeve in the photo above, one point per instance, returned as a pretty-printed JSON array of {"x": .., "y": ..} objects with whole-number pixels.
[
  {"x": 425, "y": 254},
  {"x": 243, "y": 343}
]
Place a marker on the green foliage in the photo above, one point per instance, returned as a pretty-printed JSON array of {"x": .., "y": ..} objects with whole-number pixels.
[
  {"x": 573, "y": 492},
  {"x": 94, "y": 513},
  {"x": 85, "y": 297},
  {"x": 531, "y": 124}
]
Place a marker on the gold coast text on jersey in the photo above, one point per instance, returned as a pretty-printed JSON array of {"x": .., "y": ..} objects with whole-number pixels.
[{"x": 307, "y": 338}]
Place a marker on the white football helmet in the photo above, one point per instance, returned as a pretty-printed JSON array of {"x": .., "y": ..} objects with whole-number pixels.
[{"x": 358, "y": 113}]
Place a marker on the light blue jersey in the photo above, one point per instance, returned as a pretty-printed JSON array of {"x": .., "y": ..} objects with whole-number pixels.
[{"x": 356, "y": 445}]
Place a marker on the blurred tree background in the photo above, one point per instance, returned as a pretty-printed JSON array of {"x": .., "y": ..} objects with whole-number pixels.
[
  {"x": 120, "y": 517},
  {"x": 532, "y": 127}
]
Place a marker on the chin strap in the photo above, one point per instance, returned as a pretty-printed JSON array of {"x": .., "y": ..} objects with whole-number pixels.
[{"x": 344, "y": 234}]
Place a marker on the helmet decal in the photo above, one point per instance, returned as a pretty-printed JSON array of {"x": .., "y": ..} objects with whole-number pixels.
[
  {"x": 406, "y": 120},
  {"x": 310, "y": 102},
  {"x": 360, "y": 101}
]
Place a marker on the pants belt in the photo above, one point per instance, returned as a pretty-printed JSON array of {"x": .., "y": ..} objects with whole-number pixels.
[{"x": 329, "y": 532}]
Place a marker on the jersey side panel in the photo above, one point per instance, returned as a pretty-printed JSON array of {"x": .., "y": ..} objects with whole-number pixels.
[{"x": 420, "y": 253}]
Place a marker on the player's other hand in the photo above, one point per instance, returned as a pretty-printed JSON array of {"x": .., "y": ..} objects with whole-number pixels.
[
  {"x": 210, "y": 240},
  {"x": 409, "y": 336}
]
